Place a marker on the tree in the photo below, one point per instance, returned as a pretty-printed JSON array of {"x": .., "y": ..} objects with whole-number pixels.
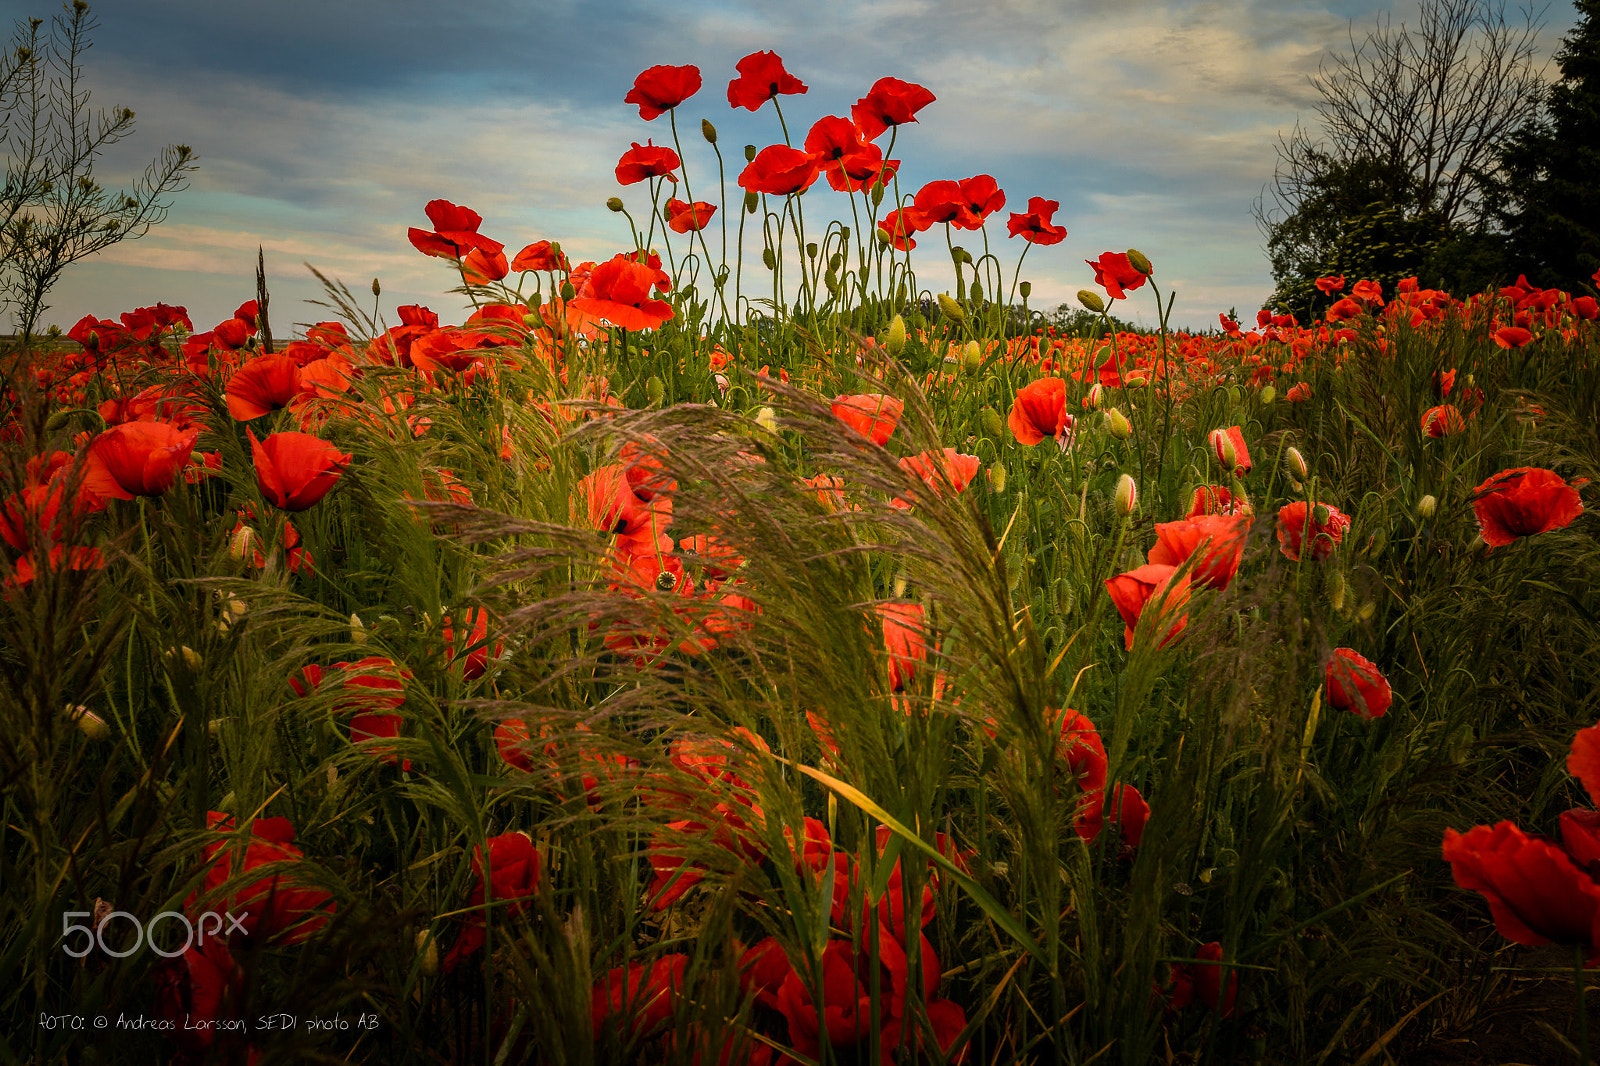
[
  {"x": 1412, "y": 127},
  {"x": 52, "y": 211},
  {"x": 1549, "y": 196}
]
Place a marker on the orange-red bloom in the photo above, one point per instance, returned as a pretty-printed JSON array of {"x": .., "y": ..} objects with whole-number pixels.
[
  {"x": 644, "y": 161},
  {"x": 1035, "y": 225},
  {"x": 1536, "y": 893},
  {"x": 872, "y": 415},
  {"x": 941, "y": 469},
  {"x": 1040, "y": 411},
  {"x": 1223, "y": 537},
  {"x": 1355, "y": 685},
  {"x": 1132, "y": 591},
  {"x": 1442, "y": 421},
  {"x": 294, "y": 471},
  {"x": 137, "y": 459},
  {"x": 1523, "y": 501},
  {"x": 683, "y": 216},
  {"x": 1231, "y": 439},
  {"x": 262, "y": 385},
  {"x": 890, "y": 102},
  {"x": 1214, "y": 499},
  {"x": 541, "y": 255},
  {"x": 662, "y": 88},
  {"x": 1329, "y": 286},
  {"x": 619, "y": 291},
  {"x": 1116, "y": 274},
  {"x": 454, "y": 233},
  {"x": 779, "y": 171},
  {"x": 266, "y": 904},
  {"x": 761, "y": 78},
  {"x": 1297, "y": 521},
  {"x": 512, "y": 878}
]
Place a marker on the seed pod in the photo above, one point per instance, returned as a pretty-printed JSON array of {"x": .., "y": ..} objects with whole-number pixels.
[
  {"x": 811, "y": 249},
  {"x": 1127, "y": 498},
  {"x": 708, "y": 131},
  {"x": 1091, "y": 300},
  {"x": 952, "y": 310},
  {"x": 1026, "y": 288},
  {"x": 749, "y": 153},
  {"x": 1137, "y": 260}
]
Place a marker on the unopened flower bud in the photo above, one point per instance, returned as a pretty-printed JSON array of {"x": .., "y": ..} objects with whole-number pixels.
[
  {"x": 1117, "y": 424},
  {"x": 614, "y": 203},
  {"x": 1321, "y": 515},
  {"x": 1368, "y": 609},
  {"x": 1427, "y": 507},
  {"x": 1336, "y": 589},
  {"x": 971, "y": 357},
  {"x": 767, "y": 419},
  {"x": 428, "y": 948},
  {"x": 532, "y": 321},
  {"x": 994, "y": 426},
  {"x": 1094, "y": 397},
  {"x": 975, "y": 291},
  {"x": 895, "y": 339},
  {"x": 749, "y": 153},
  {"x": 1268, "y": 394},
  {"x": 708, "y": 131},
  {"x": 1091, "y": 300},
  {"x": 1026, "y": 288},
  {"x": 1127, "y": 495},
  {"x": 377, "y": 290},
  {"x": 952, "y": 310},
  {"x": 997, "y": 477},
  {"x": 358, "y": 632},
  {"x": 1137, "y": 260},
  {"x": 1296, "y": 463},
  {"x": 1222, "y": 447},
  {"x": 769, "y": 258},
  {"x": 242, "y": 546},
  {"x": 654, "y": 391},
  {"x": 877, "y": 193},
  {"x": 94, "y": 727},
  {"x": 568, "y": 291},
  {"x": 56, "y": 421}
]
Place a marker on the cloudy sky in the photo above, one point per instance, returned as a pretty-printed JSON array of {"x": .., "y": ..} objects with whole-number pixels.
[{"x": 322, "y": 127}]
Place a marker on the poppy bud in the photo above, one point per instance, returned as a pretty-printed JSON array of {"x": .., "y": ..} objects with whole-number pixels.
[
  {"x": 1117, "y": 424},
  {"x": 568, "y": 291},
  {"x": 1137, "y": 260},
  {"x": 1336, "y": 590},
  {"x": 1233, "y": 395},
  {"x": 877, "y": 193},
  {"x": 654, "y": 391},
  {"x": 1222, "y": 447},
  {"x": 242, "y": 546},
  {"x": 977, "y": 292},
  {"x": 971, "y": 357},
  {"x": 358, "y": 632},
  {"x": 377, "y": 290},
  {"x": 1268, "y": 394},
  {"x": 1093, "y": 398},
  {"x": 94, "y": 727},
  {"x": 614, "y": 204},
  {"x": 1127, "y": 495},
  {"x": 994, "y": 426},
  {"x": 751, "y": 202},
  {"x": 1091, "y": 300},
  {"x": 531, "y": 321},
  {"x": 708, "y": 131},
  {"x": 835, "y": 261},
  {"x": 1321, "y": 515},
  {"x": 1368, "y": 609},
  {"x": 214, "y": 728},
  {"x": 749, "y": 153},
  {"x": 895, "y": 339},
  {"x": 1296, "y": 463},
  {"x": 997, "y": 477},
  {"x": 1026, "y": 288},
  {"x": 1427, "y": 507},
  {"x": 191, "y": 658},
  {"x": 428, "y": 945},
  {"x": 952, "y": 310},
  {"x": 56, "y": 421},
  {"x": 769, "y": 258},
  {"x": 767, "y": 419}
]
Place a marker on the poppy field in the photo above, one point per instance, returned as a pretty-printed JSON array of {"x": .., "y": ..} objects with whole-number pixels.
[{"x": 779, "y": 643}]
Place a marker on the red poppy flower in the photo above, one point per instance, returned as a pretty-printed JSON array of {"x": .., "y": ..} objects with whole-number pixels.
[
  {"x": 1296, "y": 521},
  {"x": 1231, "y": 439},
  {"x": 474, "y": 635},
  {"x": 1536, "y": 893},
  {"x": 1034, "y": 225},
  {"x": 1512, "y": 336},
  {"x": 513, "y": 878},
  {"x": 1369, "y": 293},
  {"x": 662, "y": 88},
  {"x": 898, "y": 226},
  {"x": 1040, "y": 411},
  {"x": 200, "y": 987},
  {"x": 941, "y": 201},
  {"x": 1329, "y": 286},
  {"x": 643, "y": 993},
  {"x": 1442, "y": 421},
  {"x": 1523, "y": 501},
  {"x": 1344, "y": 310},
  {"x": 376, "y": 727},
  {"x": 479, "y": 267},
  {"x": 55, "y": 560},
  {"x": 1299, "y": 392},
  {"x": 644, "y": 161},
  {"x": 1080, "y": 749},
  {"x": 890, "y": 102},
  {"x": 619, "y": 291},
  {"x": 1131, "y": 813},
  {"x": 683, "y": 216},
  {"x": 1223, "y": 537},
  {"x": 136, "y": 459},
  {"x": 268, "y": 905},
  {"x": 455, "y": 231},
  {"x": 833, "y": 142},
  {"x": 872, "y": 415},
  {"x": 940, "y": 469},
  {"x": 541, "y": 255},
  {"x": 1136, "y": 588},
  {"x": 1203, "y": 981},
  {"x": 1214, "y": 499},
  {"x": 761, "y": 78},
  {"x": 1355, "y": 685},
  {"x": 294, "y": 471},
  {"x": 983, "y": 197},
  {"x": 904, "y": 639},
  {"x": 779, "y": 171},
  {"x": 1116, "y": 274},
  {"x": 263, "y": 384}
]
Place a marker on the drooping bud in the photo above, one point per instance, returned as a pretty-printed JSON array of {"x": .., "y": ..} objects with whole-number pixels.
[
  {"x": 1296, "y": 463},
  {"x": 708, "y": 131},
  {"x": 1026, "y": 288},
  {"x": 971, "y": 357},
  {"x": 1427, "y": 507},
  {"x": 976, "y": 292},
  {"x": 56, "y": 421},
  {"x": 997, "y": 477},
  {"x": 1127, "y": 495},
  {"x": 1137, "y": 260},
  {"x": 952, "y": 310},
  {"x": 428, "y": 948},
  {"x": 1368, "y": 609},
  {"x": 769, "y": 258},
  {"x": 877, "y": 193},
  {"x": 1336, "y": 589},
  {"x": 1117, "y": 424},
  {"x": 895, "y": 339},
  {"x": 1268, "y": 394},
  {"x": 94, "y": 727},
  {"x": 614, "y": 204},
  {"x": 1091, "y": 300},
  {"x": 751, "y": 202},
  {"x": 654, "y": 391},
  {"x": 994, "y": 426}
]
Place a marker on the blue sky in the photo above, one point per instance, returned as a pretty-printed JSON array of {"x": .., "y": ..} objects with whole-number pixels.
[{"x": 322, "y": 128}]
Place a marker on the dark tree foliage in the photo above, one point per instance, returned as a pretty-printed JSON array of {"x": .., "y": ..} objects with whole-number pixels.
[{"x": 1549, "y": 196}]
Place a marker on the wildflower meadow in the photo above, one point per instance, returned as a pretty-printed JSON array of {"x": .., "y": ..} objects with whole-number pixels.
[{"x": 780, "y": 643}]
